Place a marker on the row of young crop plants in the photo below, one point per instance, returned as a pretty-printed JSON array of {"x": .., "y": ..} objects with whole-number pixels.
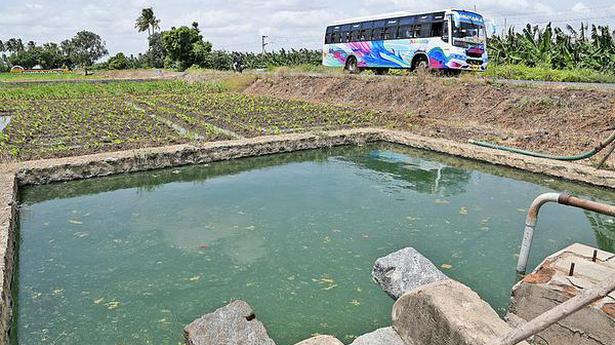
[
  {"x": 76, "y": 120},
  {"x": 251, "y": 116}
]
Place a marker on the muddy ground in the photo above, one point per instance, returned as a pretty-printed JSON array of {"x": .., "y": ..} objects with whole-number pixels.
[{"x": 558, "y": 120}]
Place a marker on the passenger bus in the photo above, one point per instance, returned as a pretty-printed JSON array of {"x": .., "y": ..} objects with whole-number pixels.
[{"x": 453, "y": 40}]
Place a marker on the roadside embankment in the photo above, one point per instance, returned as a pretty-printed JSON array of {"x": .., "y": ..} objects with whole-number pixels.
[{"x": 554, "y": 119}]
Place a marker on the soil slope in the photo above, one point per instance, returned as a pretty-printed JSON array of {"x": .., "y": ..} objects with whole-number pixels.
[{"x": 557, "y": 120}]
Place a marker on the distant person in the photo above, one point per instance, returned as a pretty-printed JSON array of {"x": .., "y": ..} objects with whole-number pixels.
[{"x": 238, "y": 63}]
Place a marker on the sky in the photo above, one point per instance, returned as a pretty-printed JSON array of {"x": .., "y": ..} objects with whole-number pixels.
[{"x": 238, "y": 25}]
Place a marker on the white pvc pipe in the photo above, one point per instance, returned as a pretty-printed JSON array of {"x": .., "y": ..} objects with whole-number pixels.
[{"x": 530, "y": 225}]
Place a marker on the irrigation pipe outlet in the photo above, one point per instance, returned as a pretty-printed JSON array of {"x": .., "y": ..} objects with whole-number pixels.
[{"x": 532, "y": 219}]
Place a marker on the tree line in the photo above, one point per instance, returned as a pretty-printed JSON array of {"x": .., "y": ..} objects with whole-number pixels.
[{"x": 80, "y": 51}]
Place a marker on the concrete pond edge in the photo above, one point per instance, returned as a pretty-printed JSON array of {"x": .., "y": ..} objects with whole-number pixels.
[{"x": 112, "y": 163}]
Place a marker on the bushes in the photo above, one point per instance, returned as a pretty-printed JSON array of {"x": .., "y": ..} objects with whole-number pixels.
[
  {"x": 222, "y": 60},
  {"x": 118, "y": 61},
  {"x": 219, "y": 60},
  {"x": 520, "y": 72},
  {"x": 4, "y": 67}
]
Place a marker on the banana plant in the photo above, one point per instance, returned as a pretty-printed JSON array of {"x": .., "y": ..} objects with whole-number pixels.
[{"x": 552, "y": 46}]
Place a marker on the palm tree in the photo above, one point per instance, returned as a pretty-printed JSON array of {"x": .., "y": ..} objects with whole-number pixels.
[{"x": 147, "y": 21}]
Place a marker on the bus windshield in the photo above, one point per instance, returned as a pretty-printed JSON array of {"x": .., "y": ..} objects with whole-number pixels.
[{"x": 468, "y": 29}]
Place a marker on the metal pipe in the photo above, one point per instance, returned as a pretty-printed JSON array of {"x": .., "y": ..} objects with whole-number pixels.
[
  {"x": 532, "y": 219},
  {"x": 589, "y": 205},
  {"x": 578, "y": 157},
  {"x": 558, "y": 313}
]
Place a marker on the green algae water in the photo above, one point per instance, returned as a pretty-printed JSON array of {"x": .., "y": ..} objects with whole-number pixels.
[{"x": 132, "y": 259}]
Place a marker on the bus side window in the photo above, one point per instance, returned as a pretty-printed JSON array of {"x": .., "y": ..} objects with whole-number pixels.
[
  {"x": 355, "y": 36},
  {"x": 376, "y": 34},
  {"x": 437, "y": 29},
  {"x": 405, "y": 32},
  {"x": 416, "y": 31},
  {"x": 363, "y": 35},
  {"x": 390, "y": 33},
  {"x": 425, "y": 30},
  {"x": 367, "y": 31},
  {"x": 345, "y": 37}
]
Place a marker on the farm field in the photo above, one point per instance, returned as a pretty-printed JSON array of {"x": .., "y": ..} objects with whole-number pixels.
[
  {"x": 48, "y": 120},
  {"x": 58, "y": 120}
]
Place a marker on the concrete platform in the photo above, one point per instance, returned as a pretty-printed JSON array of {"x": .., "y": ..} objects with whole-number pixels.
[{"x": 551, "y": 284}]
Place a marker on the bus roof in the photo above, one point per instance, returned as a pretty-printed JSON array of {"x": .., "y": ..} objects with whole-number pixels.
[{"x": 393, "y": 15}]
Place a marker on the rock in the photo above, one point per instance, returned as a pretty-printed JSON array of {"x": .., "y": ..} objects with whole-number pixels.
[
  {"x": 234, "y": 324},
  {"x": 446, "y": 312},
  {"x": 321, "y": 340},
  {"x": 403, "y": 271},
  {"x": 382, "y": 336}
]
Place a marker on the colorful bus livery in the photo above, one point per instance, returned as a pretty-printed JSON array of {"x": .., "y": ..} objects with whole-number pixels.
[{"x": 446, "y": 40}]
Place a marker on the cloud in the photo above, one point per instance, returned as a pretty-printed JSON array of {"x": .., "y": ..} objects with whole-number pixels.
[{"x": 580, "y": 7}]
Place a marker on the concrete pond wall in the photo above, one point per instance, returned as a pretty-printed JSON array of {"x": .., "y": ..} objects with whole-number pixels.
[{"x": 105, "y": 164}]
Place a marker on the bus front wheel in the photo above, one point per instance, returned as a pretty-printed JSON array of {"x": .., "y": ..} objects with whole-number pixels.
[{"x": 352, "y": 66}]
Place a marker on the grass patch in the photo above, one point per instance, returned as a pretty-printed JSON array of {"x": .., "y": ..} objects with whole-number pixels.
[{"x": 520, "y": 72}]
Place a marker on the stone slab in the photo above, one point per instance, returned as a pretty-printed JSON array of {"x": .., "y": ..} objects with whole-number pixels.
[{"x": 446, "y": 312}]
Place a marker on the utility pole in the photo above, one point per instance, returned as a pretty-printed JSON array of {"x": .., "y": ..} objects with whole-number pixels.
[{"x": 263, "y": 43}]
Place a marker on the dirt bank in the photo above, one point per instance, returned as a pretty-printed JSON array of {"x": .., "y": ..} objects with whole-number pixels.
[{"x": 550, "y": 119}]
